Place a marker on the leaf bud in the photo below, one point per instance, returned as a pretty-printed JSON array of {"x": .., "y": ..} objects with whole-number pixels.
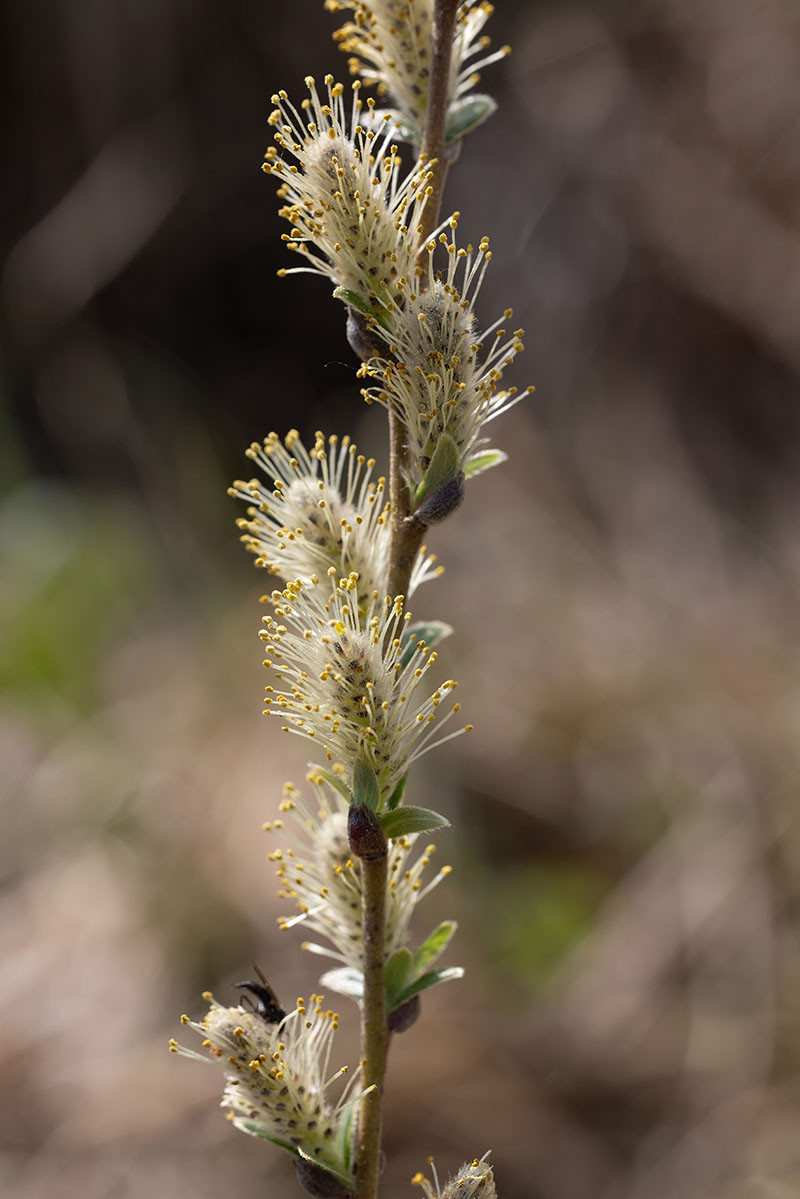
[
  {"x": 364, "y": 833},
  {"x": 361, "y": 335},
  {"x": 404, "y": 1015},
  {"x": 440, "y": 503},
  {"x": 319, "y": 1182}
]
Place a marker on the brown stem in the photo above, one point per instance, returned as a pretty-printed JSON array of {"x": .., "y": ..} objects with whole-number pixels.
[
  {"x": 405, "y": 538},
  {"x": 374, "y": 1033},
  {"x": 405, "y": 542},
  {"x": 433, "y": 135}
]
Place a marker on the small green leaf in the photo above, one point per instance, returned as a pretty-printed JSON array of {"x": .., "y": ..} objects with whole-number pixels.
[
  {"x": 465, "y": 115},
  {"x": 432, "y": 946},
  {"x": 482, "y": 461},
  {"x": 397, "y": 794},
  {"x": 342, "y": 1142},
  {"x": 398, "y": 971},
  {"x": 428, "y": 631},
  {"x": 255, "y": 1130},
  {"x": 353, "y": 299},
  {"x": 441, "y": 468},
  {"x": 431, "y": 979},
  {"x": 406, "y": 820},
  {"x": 337, "y": 783},
  {"x": 346, "y": 980},
  {"x": 366, "y": 788}
]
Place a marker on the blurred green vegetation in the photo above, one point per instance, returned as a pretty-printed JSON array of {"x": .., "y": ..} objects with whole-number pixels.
[
  {"x": 534, "y": 915},
  {"x": 77, "y": 576}
]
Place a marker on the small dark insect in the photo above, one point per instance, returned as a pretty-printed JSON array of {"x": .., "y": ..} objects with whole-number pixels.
[{"x": 266, "y": 1003}]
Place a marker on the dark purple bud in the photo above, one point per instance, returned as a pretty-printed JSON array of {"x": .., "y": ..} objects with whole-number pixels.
[
  {"x": 440, "y": 503},
  {"x": 319, "y": 1182},
  {"x": 362, "y": 337},
  {"x": 403, "y": 1016},
  {"x": 364, "y": 833}
]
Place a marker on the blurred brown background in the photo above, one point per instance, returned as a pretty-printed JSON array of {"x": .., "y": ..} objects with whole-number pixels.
[{"x": 625, "y": 595}]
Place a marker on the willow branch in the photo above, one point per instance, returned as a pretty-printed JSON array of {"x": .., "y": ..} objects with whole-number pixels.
[
  {"x": 374, "y": 1033},
  {"x": 406, "y": 537},
  {"x": 433, "y": 135}
]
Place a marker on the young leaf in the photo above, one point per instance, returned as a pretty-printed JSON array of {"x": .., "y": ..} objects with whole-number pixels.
[
  {"x": 343, "y": 1141},
  {"x": 442, "y": 467},
  {"x": 432, "y": 946},
  {"x": 255, "y": 1130},
  {"x": 398, "y": 969},
  {"x": 353, "y": 299},
  {"x": 431, "y": 979},
  {"x": 430, "y": 632},
  {"x": 397, "y": 794},
  {"x": 346, "y": 980},
  {"x": 466, "y": 114},
  {"x": 411, "y": 820},
  {"x": 482, "y": 461},
  {"x": 336, "y": 783},
  {"x": 366, "y": 788}
]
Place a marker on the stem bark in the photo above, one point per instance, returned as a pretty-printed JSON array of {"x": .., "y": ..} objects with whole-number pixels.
[
  {"x": 406, "y": 539},
  {"x": 374, "y": 1033}
]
